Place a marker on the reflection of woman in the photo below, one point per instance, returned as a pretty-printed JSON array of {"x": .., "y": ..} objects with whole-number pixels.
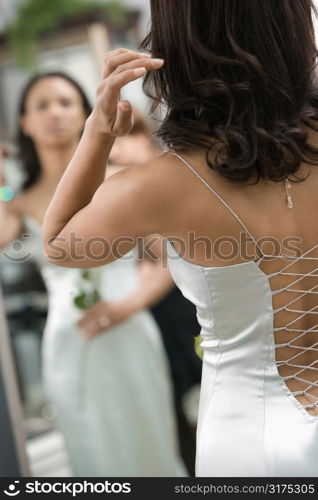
[
  {"x": 105, "y": 370},
  {"x": 239, "y": 81}
]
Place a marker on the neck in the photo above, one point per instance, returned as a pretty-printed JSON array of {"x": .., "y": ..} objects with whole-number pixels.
[{"x": 54, "y": 161}]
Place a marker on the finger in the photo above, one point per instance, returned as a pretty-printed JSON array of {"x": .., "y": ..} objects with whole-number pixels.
[
  {"x": 116, "y": 51},
  {"x": 93, "y": 328},
  {"x": 86, "y": 319},
  {"x": 116, "y": 82},
  {"x": 112, "y": 62},
  {"x": 124, "y": 119},
  {"x": 91, "y": 314},
  {"x": 120, "y": 50},
  {"x": 94, "y": 331},
  {"x": 83, "y": 323},
  {"x": 90, "y": 334},
  {"x": 141, "y": 62},
  {"x": 113, "y": 85}
]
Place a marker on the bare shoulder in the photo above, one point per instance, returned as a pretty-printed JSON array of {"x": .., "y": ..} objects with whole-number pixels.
[
  {"x": 157, "y": 182},
  {"x": 159, "y": 178},
  {"x": 15, "y": 206},
  {"x": 20, "y": 204},
  {"x": 148, "y": 191},
  {"x": 10, "y": 221}
]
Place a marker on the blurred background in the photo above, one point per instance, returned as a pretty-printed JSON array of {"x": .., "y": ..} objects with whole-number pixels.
[{"x": 71, "y": 36}]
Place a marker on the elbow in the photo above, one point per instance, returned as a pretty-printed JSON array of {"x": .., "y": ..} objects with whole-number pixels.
[
  {"x": 61, "y": 251},
  {"x": 55, "y": 251},
  {"x": 56, "y": 247},
  {"x": 46, "y": 247},
  {"x": 48, "y": 242}
]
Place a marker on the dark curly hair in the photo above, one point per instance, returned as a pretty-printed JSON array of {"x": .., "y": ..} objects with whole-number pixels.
[
  {"x": 239, "y": 78},
  {"x": 26, "y": 149}
]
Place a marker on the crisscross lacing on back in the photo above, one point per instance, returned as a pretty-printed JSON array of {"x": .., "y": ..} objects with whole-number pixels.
[
  {"x": 296, "y": 347},
  {"x": 294, "y": 291}
]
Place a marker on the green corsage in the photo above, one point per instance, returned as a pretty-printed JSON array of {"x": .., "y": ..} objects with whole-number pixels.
[
  {"x": 88, "y": 294},
  {"x": 197, "y": 346}
]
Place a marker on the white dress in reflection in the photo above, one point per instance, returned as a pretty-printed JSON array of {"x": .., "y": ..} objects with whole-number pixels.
[{"x": 112, "y": 393}]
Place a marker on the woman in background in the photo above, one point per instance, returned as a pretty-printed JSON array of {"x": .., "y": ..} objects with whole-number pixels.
[{"x": 104, "y": 369}]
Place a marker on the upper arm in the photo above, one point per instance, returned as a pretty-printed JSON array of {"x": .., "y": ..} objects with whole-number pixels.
[
  {"x": 153, "y": 248},
  {"x": 124, "y": 208}
]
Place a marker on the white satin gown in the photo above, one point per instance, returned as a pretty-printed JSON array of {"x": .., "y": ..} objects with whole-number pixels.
[
  {"x": 112, "y": 393},
  {"x": 258, "y": 403}
]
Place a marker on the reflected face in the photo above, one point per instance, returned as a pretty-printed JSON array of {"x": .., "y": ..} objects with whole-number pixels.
[{"x": 54, "y": 113}]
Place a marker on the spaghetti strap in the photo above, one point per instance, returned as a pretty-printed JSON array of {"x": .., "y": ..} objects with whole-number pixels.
[{"x": 222, "y": 201}]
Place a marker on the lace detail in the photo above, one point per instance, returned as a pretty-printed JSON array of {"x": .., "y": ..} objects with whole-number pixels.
[{"x": 296, "y": 347}]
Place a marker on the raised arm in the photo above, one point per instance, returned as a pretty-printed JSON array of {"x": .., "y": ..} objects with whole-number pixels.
[{"x": 85, "y": 206}]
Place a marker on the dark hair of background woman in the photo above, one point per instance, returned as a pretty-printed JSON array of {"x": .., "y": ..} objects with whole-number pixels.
[
  {"x": 27, "y": 152},
  {"x": 241, "y": 72}
]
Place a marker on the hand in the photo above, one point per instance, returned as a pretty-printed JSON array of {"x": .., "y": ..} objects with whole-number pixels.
[
  {"x": 104, "y": 315},
  {"x": 111, "y": 116}
]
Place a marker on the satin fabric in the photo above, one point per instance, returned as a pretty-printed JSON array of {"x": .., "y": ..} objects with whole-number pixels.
[{"x": 249, "y": 423}]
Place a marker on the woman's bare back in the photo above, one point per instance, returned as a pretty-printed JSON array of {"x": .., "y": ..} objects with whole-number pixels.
[{"x": 283, "y": 234}]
